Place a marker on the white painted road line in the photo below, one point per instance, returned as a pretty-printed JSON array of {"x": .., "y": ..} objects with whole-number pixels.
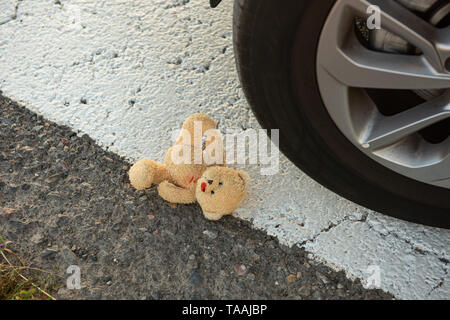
[{"x": 128, "y": 72}]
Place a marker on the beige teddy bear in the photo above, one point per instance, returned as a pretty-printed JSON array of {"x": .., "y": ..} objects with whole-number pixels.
[{"x": 219, "y": 190}]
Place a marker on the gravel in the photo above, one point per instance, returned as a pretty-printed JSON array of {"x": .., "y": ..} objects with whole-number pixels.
[{"x": 66, "y": 201}]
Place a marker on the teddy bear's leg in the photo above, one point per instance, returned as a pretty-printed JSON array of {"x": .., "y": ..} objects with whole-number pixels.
[
  {"x": 212, "y": 216},
  {"x": 146, "y": 172},
  {"x": 175, "y": 194}
]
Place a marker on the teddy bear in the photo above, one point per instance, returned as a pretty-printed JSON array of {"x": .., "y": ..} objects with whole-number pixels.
[{"x": 218, "y": 189}]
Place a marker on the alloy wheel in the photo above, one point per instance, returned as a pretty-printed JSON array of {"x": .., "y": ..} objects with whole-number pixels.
[{"x": 391, "y": 99}]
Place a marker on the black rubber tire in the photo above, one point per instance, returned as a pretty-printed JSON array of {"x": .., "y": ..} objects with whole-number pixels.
[{"x": 275, "y": 44}]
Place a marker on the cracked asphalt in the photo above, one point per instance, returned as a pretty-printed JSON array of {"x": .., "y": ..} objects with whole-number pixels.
[
  {"x": 127, "y": 73},
  {"x": 65, "y": 201}
]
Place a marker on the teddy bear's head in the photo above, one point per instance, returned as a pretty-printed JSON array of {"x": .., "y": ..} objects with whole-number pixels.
[{"x": 220, "y": 190}]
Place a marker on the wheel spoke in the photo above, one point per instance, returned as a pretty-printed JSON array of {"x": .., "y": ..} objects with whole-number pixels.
[
  {"x": 387, "y": 130},
  {"x": 437, "y": 173},
  {"x": 355, "y": 66}
]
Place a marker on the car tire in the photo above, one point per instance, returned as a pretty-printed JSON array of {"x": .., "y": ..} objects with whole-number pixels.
[{"x": 275, "y": 46}]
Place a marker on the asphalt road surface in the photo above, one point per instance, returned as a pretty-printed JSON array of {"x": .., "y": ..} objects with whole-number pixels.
[{"x": 70, "y": 203}]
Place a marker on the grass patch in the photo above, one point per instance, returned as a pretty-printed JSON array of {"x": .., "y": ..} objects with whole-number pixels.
[{"x": 21, "y": 282}]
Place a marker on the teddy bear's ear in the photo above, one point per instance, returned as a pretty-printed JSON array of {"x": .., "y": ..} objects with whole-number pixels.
[{"x": 244, "y": 176}]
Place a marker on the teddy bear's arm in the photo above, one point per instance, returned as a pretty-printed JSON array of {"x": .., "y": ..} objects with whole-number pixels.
[
  {"x": 146, "y": 172},
  {"x": 175, "y": 194}
]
